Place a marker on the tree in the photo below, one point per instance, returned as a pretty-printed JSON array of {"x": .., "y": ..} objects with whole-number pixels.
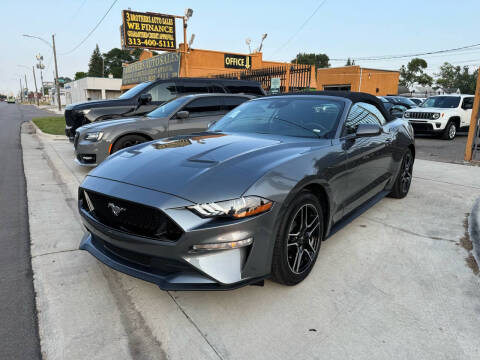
[
  {"x": 319, "y": 60},
  {"x": 116, "y": 57},
  {"x": 457, "y": 77},
  {"x": 80, "y": 75},
  {"x": 95, "y": 66},
  {"x": 414, "y": 73},
  {"x": 350, "y": 62}
]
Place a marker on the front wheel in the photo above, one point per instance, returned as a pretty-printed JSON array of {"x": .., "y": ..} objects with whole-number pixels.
[
  {"x": 404, "y": 178},
  {"x": 298, "y": 240},
  {"x": 450, "y": 131},
  {"x": 127, "y": 141}
]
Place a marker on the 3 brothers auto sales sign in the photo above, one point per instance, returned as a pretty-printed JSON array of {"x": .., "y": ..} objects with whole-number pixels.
[{"x": 149, "y": 31}]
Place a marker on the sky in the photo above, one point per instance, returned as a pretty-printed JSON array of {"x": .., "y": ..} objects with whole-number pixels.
[{"x": 339, "y": 28}]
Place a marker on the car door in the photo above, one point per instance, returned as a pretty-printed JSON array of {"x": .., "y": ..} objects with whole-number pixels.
[
  {"x": 368, "y": 159},
  {"x": 160, "y": 93},
  {"x": 467, "y": 106},
  {"x": 201, "y": 112}
]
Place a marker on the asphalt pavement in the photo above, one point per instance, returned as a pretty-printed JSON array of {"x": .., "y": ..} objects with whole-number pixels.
[
  {"x": 436, "y": 149},
  {"x": 18, "y": 319}
]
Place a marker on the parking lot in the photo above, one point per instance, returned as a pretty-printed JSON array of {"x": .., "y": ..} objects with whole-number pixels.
[
  {"x": 398, "y": 282},
  {"x": 435, "y": 149}
]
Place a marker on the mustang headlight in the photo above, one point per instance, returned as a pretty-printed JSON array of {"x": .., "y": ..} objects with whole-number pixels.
[
  {"x": 406, "y": 114},
  {"x": 94, "y": 136},
  {"x": 85, "y": 112},
  {"x": 435, "y": 116},
  {"x": 238, "y": 208}
]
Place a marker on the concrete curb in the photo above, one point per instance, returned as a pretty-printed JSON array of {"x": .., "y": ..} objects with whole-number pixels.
[
  {"x": 48, "y": 136},
  {"x": 474, "y": 230}
]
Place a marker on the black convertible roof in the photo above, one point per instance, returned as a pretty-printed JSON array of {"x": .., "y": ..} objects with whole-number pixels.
[{"x": 352, "y": 96}]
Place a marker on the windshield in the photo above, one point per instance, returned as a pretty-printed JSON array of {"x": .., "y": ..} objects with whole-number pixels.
[
  {"x": 444, "y": 102},
  {"x": 168, "y": 108},
  {"x": 134, "y": 91},
  {"x": 289, "y": 116}
]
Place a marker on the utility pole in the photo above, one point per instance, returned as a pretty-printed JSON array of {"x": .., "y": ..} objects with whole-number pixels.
[
  {"x": 21, "y": 90},
  {"x": 56, "y": 73},
  {"x": 26, "y": 86},
  {"x": 35, "y": 82}
]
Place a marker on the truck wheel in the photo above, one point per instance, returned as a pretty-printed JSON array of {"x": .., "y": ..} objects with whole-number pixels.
[
  {"x": 450, "y": 131},
  {"x": 127, "y": 141}
]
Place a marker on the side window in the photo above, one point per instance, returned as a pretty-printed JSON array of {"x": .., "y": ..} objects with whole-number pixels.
[
  {"x": 162, "y": 92},
  {"x": 205, "y": 106},
  {"x": 468, "y": 103},
  {"x": 363, "y": 113},
  {"x": 215, "y": 88},
  {"x": 192, "y": 87},
  {"x": 231, "y": 102}
]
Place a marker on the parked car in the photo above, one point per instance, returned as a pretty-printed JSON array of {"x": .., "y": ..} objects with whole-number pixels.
[
  {"x": 395, "y": 110},
  {"x": 443, "y": 115},
  {"x": 253, "y": 197},
  {"x": 417, "y": 100},
  {"x": 182, "y": 115},
  {"x": 147, "y": 96}
]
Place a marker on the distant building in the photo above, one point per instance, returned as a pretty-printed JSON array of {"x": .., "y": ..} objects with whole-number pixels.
[
  {"x": 356, "y": 78},
  {"x": 92, "y": 88}
]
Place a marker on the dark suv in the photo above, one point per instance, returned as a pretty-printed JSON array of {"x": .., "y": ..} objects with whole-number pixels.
[{"x": 146, "y": 96}]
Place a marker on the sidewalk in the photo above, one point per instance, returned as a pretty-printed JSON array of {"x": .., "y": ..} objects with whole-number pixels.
[{"x": 396, "y": 283}]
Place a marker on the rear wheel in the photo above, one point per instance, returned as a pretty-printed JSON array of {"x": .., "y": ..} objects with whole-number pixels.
[
  {"x": 127, "y": 141},
  {"x": 298, "y": 240},
  {"x": 450, "y": 131},
  {"x": 404, "y": 178}
]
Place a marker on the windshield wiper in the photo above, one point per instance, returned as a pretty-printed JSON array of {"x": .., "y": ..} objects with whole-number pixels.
[{"x": 300, "y": 126}]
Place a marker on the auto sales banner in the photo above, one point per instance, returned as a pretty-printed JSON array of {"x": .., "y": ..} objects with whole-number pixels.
[
  {"x": 149, "y": 31},
  {"x": 163, "y": 66}
]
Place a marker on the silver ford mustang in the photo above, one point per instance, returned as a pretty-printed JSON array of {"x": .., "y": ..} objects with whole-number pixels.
[
  {"x": 96, "y": 141},
  {"x": 251, "y": 198}
]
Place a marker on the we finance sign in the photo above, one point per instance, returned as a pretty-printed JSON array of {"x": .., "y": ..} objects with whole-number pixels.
[{"x": 149, "y": 30}]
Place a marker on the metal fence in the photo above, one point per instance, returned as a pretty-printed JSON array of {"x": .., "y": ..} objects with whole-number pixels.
[{"x": 292, "y": 77}]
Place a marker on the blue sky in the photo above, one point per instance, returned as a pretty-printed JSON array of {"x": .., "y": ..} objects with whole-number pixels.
[{"x": 340, "y": 28}]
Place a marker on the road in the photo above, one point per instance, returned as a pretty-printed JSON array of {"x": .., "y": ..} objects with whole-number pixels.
[
  {"x": 18, "y": 319},
  {"x": 436, "y": 149}
]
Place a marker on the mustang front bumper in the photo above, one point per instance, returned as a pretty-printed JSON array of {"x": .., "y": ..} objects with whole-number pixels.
[{"x": 172, "y": 265}]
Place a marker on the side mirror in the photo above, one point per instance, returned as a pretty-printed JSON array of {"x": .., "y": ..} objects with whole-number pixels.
[
  {"x": 145, "y": 99},
  {"x": 182, "y": 114},
  {"x": 397, "y": 111},
  {"x": 364, "y": 130}
]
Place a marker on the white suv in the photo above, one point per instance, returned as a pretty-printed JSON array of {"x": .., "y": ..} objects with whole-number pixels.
[{"x": 442, "y": 114}]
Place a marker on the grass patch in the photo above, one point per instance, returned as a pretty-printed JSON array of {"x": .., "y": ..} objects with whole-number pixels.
[{"x": 54, "y": 125}]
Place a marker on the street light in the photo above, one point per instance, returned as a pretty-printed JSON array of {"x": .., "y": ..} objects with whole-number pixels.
[{"x": 52, "y": 46}]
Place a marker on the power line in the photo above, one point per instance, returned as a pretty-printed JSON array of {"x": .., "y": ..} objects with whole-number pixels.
[
  {"x": 91, "y": 32},
  {"x": 391, "y": 57},
  {"x": 301, "y": 27}
]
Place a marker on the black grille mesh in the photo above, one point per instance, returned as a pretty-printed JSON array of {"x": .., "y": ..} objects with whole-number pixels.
[
  {"x": 420, "y": 115},
  {"x": 131, "y": 217}
]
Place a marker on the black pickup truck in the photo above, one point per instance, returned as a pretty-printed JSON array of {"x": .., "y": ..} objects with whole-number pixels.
[{"x": 146, "y": 96}]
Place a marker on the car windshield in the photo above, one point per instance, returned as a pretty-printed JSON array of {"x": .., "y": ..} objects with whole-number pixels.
[
  {"x": 402, "y": 100},
  {"x": 288, "y": 116},
  {"x": 135, "y": 90},
  {"x": 168, "y": 108},
  {"x": 444, "y": 102}
]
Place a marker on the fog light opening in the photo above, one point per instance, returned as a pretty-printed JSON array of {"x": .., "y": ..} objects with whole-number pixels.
[
  {"x": 438, "y": 125},
  {"x": 223, "y": 246}
]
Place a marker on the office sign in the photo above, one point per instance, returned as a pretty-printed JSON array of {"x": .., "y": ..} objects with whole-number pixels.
[
  {"x": 163, "y": 66},
  {"x": 233, "y": 61},
  {"x": 148, "y": 30}
]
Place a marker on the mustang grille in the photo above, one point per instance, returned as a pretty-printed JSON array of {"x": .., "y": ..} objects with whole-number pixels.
[
  {"x": 421, "y": 115},
  {"x": 130, "y": 217}
]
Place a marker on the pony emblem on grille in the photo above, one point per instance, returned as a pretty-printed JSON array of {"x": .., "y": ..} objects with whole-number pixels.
[{"x": 116, "y": 210}]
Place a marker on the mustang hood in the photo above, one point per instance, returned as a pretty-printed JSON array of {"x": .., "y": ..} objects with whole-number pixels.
[
  {"x": 99, "y": 125},
  {"x": 96, "y": 104},
  {"x": 202, "y": 167}
]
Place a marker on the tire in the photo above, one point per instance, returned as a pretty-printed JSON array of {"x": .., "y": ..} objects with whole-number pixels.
[
  {"x": 296, "y": 245},
  {"x": 404, "y": 178},
  {"x": 127, "y": 141},
  {"x": 450, "y": 131}
]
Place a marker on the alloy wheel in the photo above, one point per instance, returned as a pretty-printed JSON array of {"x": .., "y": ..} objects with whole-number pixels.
[
  {"x": 452, "y": 131},
  {"x": 130, "y": 143},
  {"x": 303, "y": 239},
  {"x": 407, "y": 169}
]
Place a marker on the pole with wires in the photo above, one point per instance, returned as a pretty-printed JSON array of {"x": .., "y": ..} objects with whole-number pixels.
[
  {"x": 35, "y": 82},
  {"x": 56, "y": 74}
]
